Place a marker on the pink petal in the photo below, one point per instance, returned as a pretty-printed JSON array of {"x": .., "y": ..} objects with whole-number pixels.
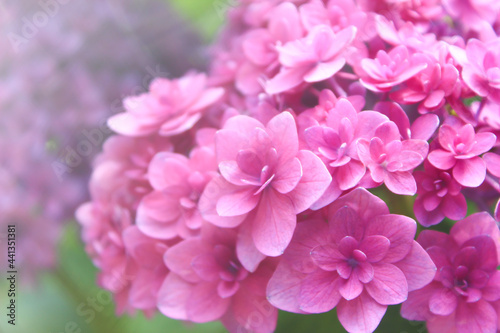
[
  {"x": 308, "y": 235},
  {"x": 441, "y": 159},
  {"x": 425, "y": 217},
  {"x": 283, "y": 289},
  {"x": 314, "y": 182},
  {"x": 206, "y": 267},
  {"x": 283, "y": 133},
  {"x": 204, "y": 303},
  {"x": 424, "y": 126},
  {"x": 418, "y": 267},
  {"x": 454, "y": 207},
  {"x": 237, "y": 203},
  {"x": 346, "y": 222},
  {"x": 173, "y": 296},
  {"x": 476, "y": 225},
  {"x": 375, "y": 247},
  {"x": 179, "y": 257},
  {"x": 399, "y": 229},
  {"x": 286, "y": 79},
  {"x": 350, "y": 174},
  {"x": 287, "y": 176},
  {"x": 443, "y": 302},
  {"x": 401, "y": 182},
  {"x": 362, "y": 314},
  {"x": 127, "y": 124},
  {"x": 389, "y": 285},
  {"x": 324, "y": 70},
  {"x": 471, "y": 172},
  {"x": 484, "y": 142},
  {"x": 326, "y": 257},
  {"x": 476, "y": 317},
  {"x": 246, "y": 251},
  {"x": 366, "y": 205},
  {"x": 207, "y": 204},
  {"x": 250, "y": 311},
  {"x": 319, "y": 292},
  {"x": 274, "y": 223},
  {"x": 416, "y": 307},
  {"x": 351, "y": 288},
  {"x": 492, "y": 163}
]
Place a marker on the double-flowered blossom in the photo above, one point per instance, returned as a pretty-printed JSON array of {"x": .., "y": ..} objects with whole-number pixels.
[
  {"x": 208, "y": 282},
  {"x": 460, "y": 147},
  {"x": 391, "y": 160},
  {"x": 171, "y": 210},
  {"x": 169, "y": 108},
  {"x": 464, "y": 295},
  {"x": 265, "y": 181},
  {"x": 335, "y": 143},
  {"x": 438, "y": 195},
  {"x": 360, "y": 261}
]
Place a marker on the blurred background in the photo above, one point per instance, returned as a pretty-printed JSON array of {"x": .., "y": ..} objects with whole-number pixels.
[{"x": 65, "y": 66}]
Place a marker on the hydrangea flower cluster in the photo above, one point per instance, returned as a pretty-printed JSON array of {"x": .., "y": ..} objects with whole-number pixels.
[
  {"x": 231, "y": 194},
  {"x": 61, "y": 81}
]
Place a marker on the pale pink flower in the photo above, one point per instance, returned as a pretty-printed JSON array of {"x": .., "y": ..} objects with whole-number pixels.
[
  {"x": 266, "y": 180},
  {"x": 460, "y": 147},
  {"x": 430, "y": 87},
  {"x": 390, "y": 160},
  {"x": 362, "y": 260},
  {"x": 171, "y": 209},
  {"x": 207, "y": 282},
  {"x": 463, "y": 297},
  {"x": 335, "y": 144},
  {"x": 390, "y": 69},
  {"x": 169, "y": 108},
  {"x": 481, "y": 71},
  {"x": 314, "y": 58},
  {"x": 492, "y": 163},
  {"x": 438, "y": 196}
]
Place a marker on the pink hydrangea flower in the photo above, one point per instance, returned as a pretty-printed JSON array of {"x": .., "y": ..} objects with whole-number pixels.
[
  {"x": 169, "y": 108},
  {"x": 460, "y": 147},
  {"x": 391, "y": 160},
  {"x": 118, "y": 184},
  {"x": 171, "y": 209},
  {"x": 362, "y": 260},
  {"x": 438, "y": 196},
  {"x": 390, "y": 69},
  {"x": 335, "y": 144},
  {"x": 314, "y": 58},
  {"x": 430, "y": 87},
  {"x": 492, "y": 163},
  {"x": 463, "y": 297},
  {"x": 265, "y": 181},
  {"x": 207, "y": 282},
  {"x": 481, "y": 72}
]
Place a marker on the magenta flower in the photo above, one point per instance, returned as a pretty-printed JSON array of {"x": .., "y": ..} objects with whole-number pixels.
[
  {"x": 481, "y": 71},
  {"x": 429, "y": 87},
  {"x": 169, "y": 108},
  {"x": 391, "y": 160},
  {"x": 460, "y": 147},
  {"x": 438, "y": 196},
  {"x": 207, "y": 282},
  {"x": 390, "y": 69},
  {"x": 314, "y": 58},
  {"x": 266, "y": 180},
  {"x": 335, "y": 144},
  {"x": 362, "y": 260},
  {"x": 171, "y": 210},
  {"x": 463, "y": 297}
]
